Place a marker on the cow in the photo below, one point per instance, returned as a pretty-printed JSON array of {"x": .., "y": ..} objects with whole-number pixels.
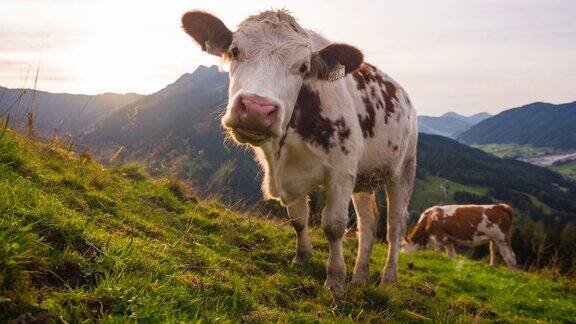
[
  {"x": 317, "y": 115},
  {"x": 469, "y": 225}
]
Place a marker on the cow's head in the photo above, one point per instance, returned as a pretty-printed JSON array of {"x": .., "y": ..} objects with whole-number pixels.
[
  {"x": 270, "y": 56},
  {"x": 408, "y": 246}
]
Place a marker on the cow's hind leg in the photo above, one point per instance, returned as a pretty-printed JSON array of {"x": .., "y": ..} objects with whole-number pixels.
[
  {"x": 507, "y": 253},
  {"x": 398, "y": 192},
  {"x": 298, "y": 213},
  {"x": 450, "y": 250},
  {"x": 367, "y": 219},
  {"x": 334, "y": 220},
  {"x": 493, "y": 254}
]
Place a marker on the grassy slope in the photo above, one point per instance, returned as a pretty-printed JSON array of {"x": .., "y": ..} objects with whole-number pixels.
[
  {"x": 568, "y": 169},
  {"x": 516, "y": 150},
  {"x": 513, "y": 150},
  {"x": 81, "y": 242},
  {"x": 428, "y": 191}
]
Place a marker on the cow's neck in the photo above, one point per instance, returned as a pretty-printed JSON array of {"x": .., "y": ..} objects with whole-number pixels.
[{"x": 306, "y": 138}]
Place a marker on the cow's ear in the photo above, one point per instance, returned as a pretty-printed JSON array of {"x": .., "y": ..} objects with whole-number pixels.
[
  {"x": 334, "y": 61},
  {"x": 208, "y": 31}
]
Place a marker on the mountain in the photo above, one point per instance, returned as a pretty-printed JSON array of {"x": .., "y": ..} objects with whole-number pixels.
[
  {"x": 177, "y": 130},
  {"x": 445, "y": 126},
  {"x": 538, "y": 124},
  {"x": 83, "y": 243},
  {"x": 473, "y": 120},
  {"x": 450, "y": 124},
  {"x": 62, "y": 112}
]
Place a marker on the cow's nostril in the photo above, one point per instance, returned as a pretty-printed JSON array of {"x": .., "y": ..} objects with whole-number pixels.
[
  {"x": 243, "y": 107},
  {"x": 273, "y": 112}
]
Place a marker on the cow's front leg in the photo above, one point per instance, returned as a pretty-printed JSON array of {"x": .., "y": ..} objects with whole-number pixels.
[
  {"x": 334, "y": 220},
  {"x": 298, "y": 213}
]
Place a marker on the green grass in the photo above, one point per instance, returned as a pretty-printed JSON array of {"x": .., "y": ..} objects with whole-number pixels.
[
  {"x": 513, "y": 150},
  {"x": 82, "y": 243},
  {"x": 567, "y": 169},
  {"x": 545, "y": 208},
  {"x": 428, "y": 192}
]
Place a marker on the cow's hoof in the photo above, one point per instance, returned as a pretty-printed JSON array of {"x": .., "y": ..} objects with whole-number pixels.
[
  {"x": 335, "y": 286},
  {"x": 300, "y": 260},
  {"x": 359, "y": 280},
  {"x": 302, "y": 257},
  {"x": 389, "y": 278}
]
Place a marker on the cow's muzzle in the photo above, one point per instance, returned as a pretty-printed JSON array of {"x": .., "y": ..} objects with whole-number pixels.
[{"x": 254, "y": 118}]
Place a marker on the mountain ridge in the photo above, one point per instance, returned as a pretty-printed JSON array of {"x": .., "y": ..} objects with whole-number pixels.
[
  {"x": 61, "y": 112},
  {"x": 538, "y": 124}
]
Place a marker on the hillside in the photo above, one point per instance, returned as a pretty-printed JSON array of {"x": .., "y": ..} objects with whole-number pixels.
[
  {"x": 81, "y": 242},
  {"x": 450, "y": 124},
  {"x": 177, "y": 131},
  {"x": 62, "y": 112},
  {"x": 538, "y": 124}
]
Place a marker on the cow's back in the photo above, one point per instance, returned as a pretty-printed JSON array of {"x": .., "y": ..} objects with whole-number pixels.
[{"x": 472, "y": 224}]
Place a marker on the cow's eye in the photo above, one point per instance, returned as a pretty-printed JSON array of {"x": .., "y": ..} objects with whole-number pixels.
[
  {"x": 303, "y": 68},
  {"x": 235, "y": 52}
]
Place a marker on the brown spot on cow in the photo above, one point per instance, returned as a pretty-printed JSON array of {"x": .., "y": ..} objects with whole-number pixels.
[
  {"x": 501, "y": 215},
  {"x": 309, "y": 123},
  {"x": 307, "y": 120},
  {"x": 343, "y": 132},
  {"x": 360, "y": 83},
  {"x": 377, "y": 93},
  {"x": 389, "y": 96}
]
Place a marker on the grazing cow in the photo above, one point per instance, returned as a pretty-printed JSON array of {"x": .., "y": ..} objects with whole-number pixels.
[
  {"x": 468, "y": 225},
  {"x": 317, "y": 115}
]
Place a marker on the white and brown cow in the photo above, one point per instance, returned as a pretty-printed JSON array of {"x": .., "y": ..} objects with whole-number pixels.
[
  {"x": 317, "y": 115},
  {"x": 469, "y": 225}
]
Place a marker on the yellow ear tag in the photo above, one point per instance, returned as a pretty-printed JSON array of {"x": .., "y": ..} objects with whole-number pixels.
[{"x": 338, "y": 72}]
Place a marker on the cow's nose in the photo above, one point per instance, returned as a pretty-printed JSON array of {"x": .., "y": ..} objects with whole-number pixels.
[{"x": 257, "y": 112}]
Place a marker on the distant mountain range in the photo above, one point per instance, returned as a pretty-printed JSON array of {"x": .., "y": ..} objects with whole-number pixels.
[
  {"x": 538, "y": 124},
  {"x": 450, "y": 124},
  {"x": 61, "y": 112}
]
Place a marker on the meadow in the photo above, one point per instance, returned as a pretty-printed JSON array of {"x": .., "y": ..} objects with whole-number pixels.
[{"x": 82, "y": 242}]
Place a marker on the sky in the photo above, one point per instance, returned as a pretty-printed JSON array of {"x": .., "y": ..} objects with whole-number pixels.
[{"x": 450, "y": 55}]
